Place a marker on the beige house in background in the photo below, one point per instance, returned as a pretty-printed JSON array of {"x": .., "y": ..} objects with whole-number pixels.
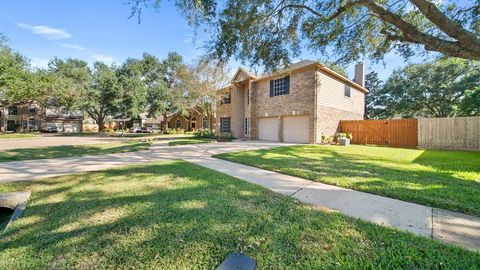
[{"x": 294, "y": 105}]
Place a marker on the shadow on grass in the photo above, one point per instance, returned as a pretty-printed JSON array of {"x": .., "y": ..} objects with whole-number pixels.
[
  {"x": 428, "y": 183},
  {"x": 70, "y": 151},
  {"x": 177, "y": 215}
]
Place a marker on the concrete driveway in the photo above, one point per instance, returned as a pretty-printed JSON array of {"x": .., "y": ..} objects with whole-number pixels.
[{"x": 43, "y": 141}]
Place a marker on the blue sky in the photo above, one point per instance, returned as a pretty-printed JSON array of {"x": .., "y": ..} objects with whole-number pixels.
[{"x": 100, "y": 30}]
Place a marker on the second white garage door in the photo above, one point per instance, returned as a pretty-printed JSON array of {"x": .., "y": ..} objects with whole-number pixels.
[
  {"x": 296, "y": 129},
  {"x": 268, "y": 129}
]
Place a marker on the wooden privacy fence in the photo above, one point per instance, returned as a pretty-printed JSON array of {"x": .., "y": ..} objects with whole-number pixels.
[
  {"x": 395, "y": 132},
  {"x": 449, "y": 133}
]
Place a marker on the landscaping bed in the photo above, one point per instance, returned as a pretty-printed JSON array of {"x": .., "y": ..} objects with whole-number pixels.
[
  {"x": 71, "y": 151},
  {"x": 177, "y": 215},
  {"x": 444, "y": 179}
]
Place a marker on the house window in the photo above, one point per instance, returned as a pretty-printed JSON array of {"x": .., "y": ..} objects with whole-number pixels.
[
  {"x": 280, "y": 86},
  {"x": 226, "y": 99},
  {"x": 346, "y": 91},
  {"x": 12, "y": 111},
  {"x": 178, "y": 124},
  {"x": 205, "y": 122},
  {"x": 248, "y": 96},
  {"x": 225, "y": 124},
  {"x": 32, "y": 110},
  {"x": 193, "y": 125},
  {"x": 246, "y": 126}
]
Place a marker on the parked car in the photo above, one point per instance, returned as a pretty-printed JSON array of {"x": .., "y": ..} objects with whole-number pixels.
[
  {"x": 135, "y": 130},
  {"x": 50, "y": 129}
]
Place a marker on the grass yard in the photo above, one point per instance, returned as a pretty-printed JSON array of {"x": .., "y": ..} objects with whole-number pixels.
[
  {"x": 443, "y": 179},
  {"x": 18, "y": 135},
  {"x": 190, "y": 141},
  {"x": 71, "y": 151},
  {"x": 107, "y": 134},
  {"x": 177, "y": 215}
]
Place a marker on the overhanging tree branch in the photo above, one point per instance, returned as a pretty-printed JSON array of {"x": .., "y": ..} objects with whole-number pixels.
[{"x": 447, "y": 25}]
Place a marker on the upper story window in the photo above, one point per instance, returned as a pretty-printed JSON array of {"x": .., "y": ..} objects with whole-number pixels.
[
  {"x": 226, "y": 99},
  {"x": 12, "y": 111},
  {"x": 347, "y": 91},
  {"x": 248, "y": 96},
  {"x": 280, "y": 86},
  {"x": 32, "y": 109}
]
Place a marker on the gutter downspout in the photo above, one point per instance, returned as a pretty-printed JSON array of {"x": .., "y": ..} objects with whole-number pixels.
[{"x": 315, "y": 108}]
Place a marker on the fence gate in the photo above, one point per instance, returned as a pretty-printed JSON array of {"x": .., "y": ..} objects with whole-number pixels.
[{"x": 396, "y": 132}]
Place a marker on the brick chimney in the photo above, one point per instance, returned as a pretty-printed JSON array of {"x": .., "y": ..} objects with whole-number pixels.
[{"x": 360, "y": 74}]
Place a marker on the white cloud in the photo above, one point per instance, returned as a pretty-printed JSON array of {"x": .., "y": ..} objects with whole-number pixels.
[
  {"x": 46, "y": 31},
  {"x": 72, "y": 46},
  {"x": 39, "y": 62},
  {"x": 188, "y": 38},
  {"x": 103, "y": 58}
]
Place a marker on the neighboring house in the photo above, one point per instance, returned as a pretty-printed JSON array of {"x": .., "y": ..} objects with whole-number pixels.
[
  {"x": 33, "y": 117},
  {"x": 294, "y": 105},
  {"x": 143, "y": 121},
  {"x": 195, "y": 120}
]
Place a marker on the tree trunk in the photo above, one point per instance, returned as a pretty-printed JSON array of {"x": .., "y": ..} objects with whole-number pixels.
[
  {"x": 165, "y": 121},
  {"x": 101, "y": 125}
]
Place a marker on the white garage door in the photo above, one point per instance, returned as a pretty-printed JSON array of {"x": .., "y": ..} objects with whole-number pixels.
[
  {"x": 268, "y": 129},
  {"x": 296, "y": 129}
]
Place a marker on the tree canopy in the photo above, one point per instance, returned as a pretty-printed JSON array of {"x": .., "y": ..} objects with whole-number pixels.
[
  {"x": 443, "y": 88},
  {"x": 272, "y": 32}
]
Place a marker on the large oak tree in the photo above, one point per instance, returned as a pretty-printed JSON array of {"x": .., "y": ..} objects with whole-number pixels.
[
  {"x": 271, "y": 32},
  {"x": 443, "y": 88}
]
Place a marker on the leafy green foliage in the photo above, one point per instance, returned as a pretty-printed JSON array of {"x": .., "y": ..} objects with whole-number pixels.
[
  {"x": 270, "y": 33},
  {"x": 373, "y": 107},
  {"x": 133, "y": 89},
  {"x": 16, "y": 80},
  {"x": 470, "y": 105},
  {"x": 443, "y": 88},
  {"x": 102, "y": 98}
]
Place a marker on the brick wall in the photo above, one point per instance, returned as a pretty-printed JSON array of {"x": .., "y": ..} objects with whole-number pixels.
[{"x": 329, "y": 118}]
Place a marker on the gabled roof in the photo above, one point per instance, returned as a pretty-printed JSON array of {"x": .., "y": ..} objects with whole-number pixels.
[{"x": 248, "y": 73}]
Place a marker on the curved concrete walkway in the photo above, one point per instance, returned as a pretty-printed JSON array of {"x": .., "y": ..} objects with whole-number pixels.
[{"x": 447, "y": 226}]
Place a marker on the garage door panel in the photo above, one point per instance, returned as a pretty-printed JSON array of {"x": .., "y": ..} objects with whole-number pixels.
[
  {"x": 268, "y": 129},
  {"x": 296, "y": 129}
]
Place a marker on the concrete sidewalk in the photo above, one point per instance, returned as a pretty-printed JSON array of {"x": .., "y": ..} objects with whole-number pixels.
[{"x": 447, "y": 226}]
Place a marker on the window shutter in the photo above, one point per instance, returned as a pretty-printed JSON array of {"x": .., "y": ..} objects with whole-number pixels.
[
  {"x": 271, "y": 88},
  {"x": 287, "y": 85}
]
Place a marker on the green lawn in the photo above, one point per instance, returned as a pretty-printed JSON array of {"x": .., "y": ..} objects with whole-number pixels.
[
  {"x": 71, "y": 151},
  {"x": 177, "y": 215},
  {"x": 18, "y": 135},
  {"x": 443, "y": 179},
  {"x": 107, "y": 134},
  {"x": 190, "y": 141}
]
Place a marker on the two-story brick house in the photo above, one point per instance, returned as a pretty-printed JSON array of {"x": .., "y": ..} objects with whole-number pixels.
[
  {"x": 294, "y": 105},
  {"x": 33, "y": 117}
]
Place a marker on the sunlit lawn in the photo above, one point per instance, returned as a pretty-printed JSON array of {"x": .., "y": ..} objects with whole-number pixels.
[
  {"x": 177, "y": 215},
  {"x": 18, "y": 135},
  {"x": 190, "y": 141},
  {"x": 71, "y": 151},
  {"x": 443, "y": 179}
]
